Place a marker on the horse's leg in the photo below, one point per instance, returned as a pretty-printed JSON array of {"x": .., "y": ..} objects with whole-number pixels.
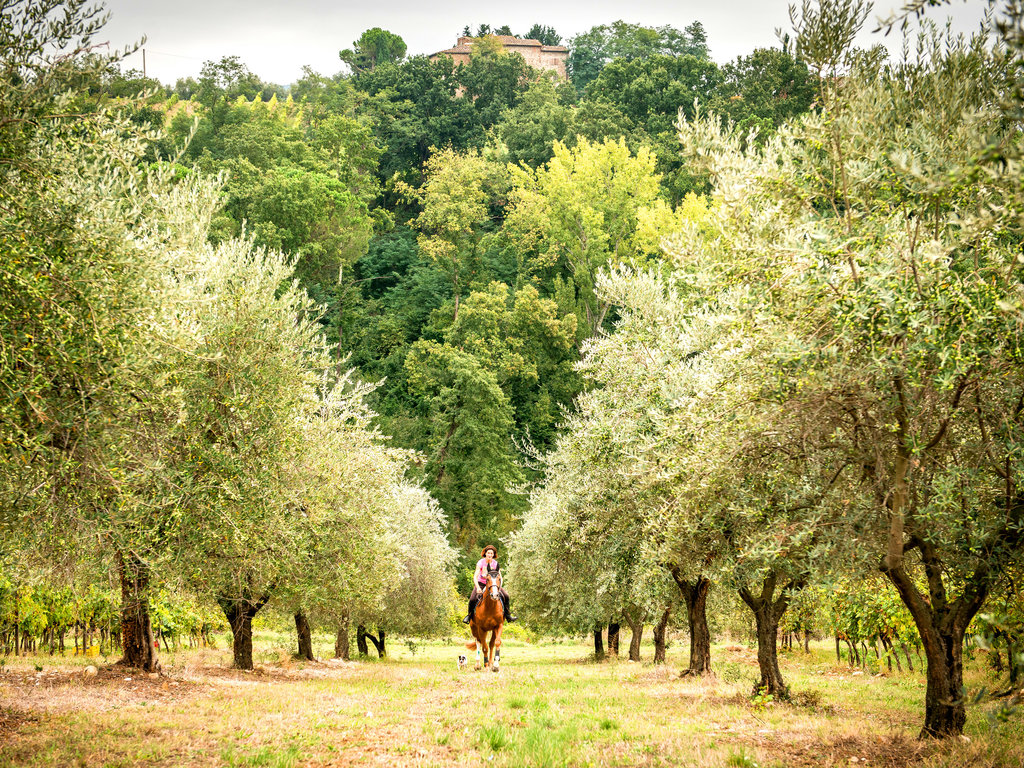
[
  {"x": 496, "y": 648},
  {"x": 479, "y": 642}
]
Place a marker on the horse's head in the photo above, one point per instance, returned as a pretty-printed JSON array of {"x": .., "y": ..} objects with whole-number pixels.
[{"x": 492, "y": 586}]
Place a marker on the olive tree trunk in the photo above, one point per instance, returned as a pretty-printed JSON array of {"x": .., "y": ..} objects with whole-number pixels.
[
  {"x": 695, "y": 596},
  {"x": 636, "y": 627},
  {"x": 613, "y": 638},
  {"x": 660, "y": 631},
  {"x": 305, "y": 636},
  {"x": 378, "y": 643},
  {"x": 341, "y": 641},
  {"x": 599, "y": 643},
  {"x": 941, "y": 625},
  {"x": 138, "y": 643},
  {"x": 239, "y": 612},
  {"x": 768, "y": 612}
]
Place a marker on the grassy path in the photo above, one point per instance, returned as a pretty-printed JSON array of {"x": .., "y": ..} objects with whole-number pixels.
[{"x": 548, "y": 706}]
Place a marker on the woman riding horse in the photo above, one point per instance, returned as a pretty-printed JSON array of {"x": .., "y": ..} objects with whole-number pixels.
[{"x": 488, "y": 564}]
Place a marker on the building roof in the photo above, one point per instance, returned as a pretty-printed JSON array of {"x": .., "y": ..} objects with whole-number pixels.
[
  {"x": 510, "y": 41},
  {"x": 513, "y": 40},
  {"x": 464, "y": 44}
]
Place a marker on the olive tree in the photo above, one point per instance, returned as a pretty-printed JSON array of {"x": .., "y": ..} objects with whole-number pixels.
[
  {"x": 415, "y": 597},
  {"x": 346, "y": 478},
  {"x": 724, "y": 493},
  {"x": 878, "y": 244}
]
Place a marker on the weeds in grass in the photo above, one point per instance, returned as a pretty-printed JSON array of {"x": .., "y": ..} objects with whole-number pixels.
[
  {"x": 540, "y": 704},
  {"x": 541, "y": 747},
  {"x": 495, "y": 737},
  {"x": 761, "y": 699},
  {"x": 730, "y": 672},
  {"x": 810, "y": 700},
  {"x": 742, "y": 760},
  {"x": 544, "y": 720},
  {"x": 266, "y": 757}
]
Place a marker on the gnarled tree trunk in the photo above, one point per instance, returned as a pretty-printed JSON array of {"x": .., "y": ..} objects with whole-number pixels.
[
  {"x": 305, "y": 636},
  {"x": 598, "y": 643},
  {"x": 768, "y": 612},
  {"x": 136, "y": 629},
  {"x": 341, "y": 641},
  {"x": 636, "y": 627},
  {"x": 361, "y": 646},
  {"x": 239, "y": 612},
  {"x": 660, "y": 631},
  {"x": 695, "y": 595},
  {"x": 941, "y": 626},
  {"x": 378, "y": 643},
  {"x": 613, "y": 638}
]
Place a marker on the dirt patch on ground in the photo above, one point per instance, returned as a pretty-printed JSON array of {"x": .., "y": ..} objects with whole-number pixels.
[
  {"x": 110, "y": 687},
  {"x": 283, "y": 672},
  {"x": 796, "y": 751},
  {"x": 11, "y": 720},
  {"x": 738, "y": 654}
]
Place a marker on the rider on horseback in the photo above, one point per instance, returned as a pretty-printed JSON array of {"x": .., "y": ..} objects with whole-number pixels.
[{"x": 488, "y": 564}]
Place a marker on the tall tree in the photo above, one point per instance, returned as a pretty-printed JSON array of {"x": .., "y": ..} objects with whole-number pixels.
[
  {"x": 299, "y": 182},
  {"x": 223, "y": 82},
  {"x": 652, "y": 92},
  {"x": 493, "y": 80},
  {"x": 763, "y": 90},
  {"x": 546, "y": 35},
  {"x": 456, "y": 212},
  {"x": 591, "y": 207},
  {"x": 590, "y": 51},
  {"x": 374, "y": 47},
  {"x": 502, "y": 370},
  {"x": 530, "y": 129},
  {"x": 413, "y": 107}
]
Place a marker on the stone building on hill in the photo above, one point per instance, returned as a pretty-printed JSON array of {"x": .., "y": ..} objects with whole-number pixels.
[{"x": 536, "y": 54}]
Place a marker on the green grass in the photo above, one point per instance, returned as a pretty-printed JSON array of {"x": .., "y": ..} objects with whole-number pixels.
[
  {"x": 495, "y": 737},
  {"x": 266, "y": 757},
  {"x": 548, "y": 707}
]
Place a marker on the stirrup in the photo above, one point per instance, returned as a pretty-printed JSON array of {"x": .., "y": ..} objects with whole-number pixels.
[
  {"x": 510, "y": 618},
  {"x": 466, "y": 620}
]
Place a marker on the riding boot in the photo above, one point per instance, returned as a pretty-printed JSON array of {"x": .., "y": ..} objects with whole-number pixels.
[
  {"x": 469, "y": 616},
  {"x": 506, "y": 603}
]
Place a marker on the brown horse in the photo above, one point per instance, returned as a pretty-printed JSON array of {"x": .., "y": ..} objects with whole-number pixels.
[{"x": 489, "y": 616}]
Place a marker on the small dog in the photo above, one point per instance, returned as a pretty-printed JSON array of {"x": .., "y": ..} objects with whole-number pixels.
[{"x": 462, "y": 661}]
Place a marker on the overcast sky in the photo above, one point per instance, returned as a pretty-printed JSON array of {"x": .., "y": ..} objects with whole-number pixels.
[{"x": 275, "y": 39}]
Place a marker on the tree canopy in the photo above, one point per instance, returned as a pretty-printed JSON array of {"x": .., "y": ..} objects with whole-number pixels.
[{"x": 374, "y": 47}]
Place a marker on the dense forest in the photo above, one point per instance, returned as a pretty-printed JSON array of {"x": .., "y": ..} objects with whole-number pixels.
[{"x": 665, "y": 329}]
